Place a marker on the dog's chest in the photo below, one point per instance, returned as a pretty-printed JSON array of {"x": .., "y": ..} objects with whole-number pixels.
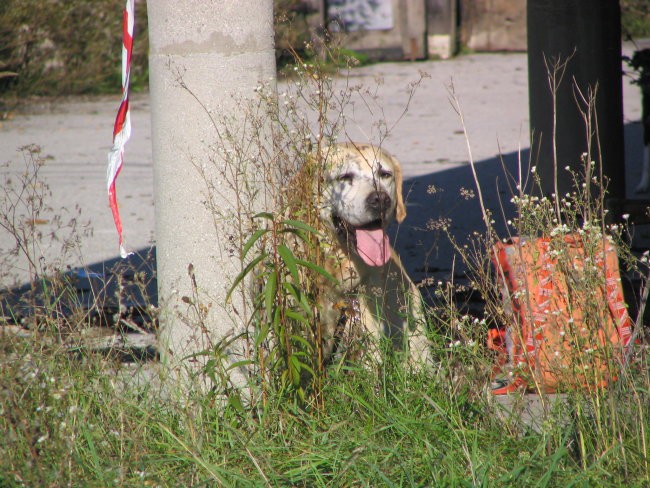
[{"x": 343, "y": 269}]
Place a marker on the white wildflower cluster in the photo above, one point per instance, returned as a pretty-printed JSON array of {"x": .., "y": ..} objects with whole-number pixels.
[
  {"x": 461, "y": 322},
  {"x": 524, "y": 199},
  {"x": 458, "y": 343},
  {"x": 560, "y": 230},
  {"x": 286, "y": 97},
  {"x": 520, "y": 294},
  {"x": 467, "y": 193},
  {"x": 439, "y": 224}
]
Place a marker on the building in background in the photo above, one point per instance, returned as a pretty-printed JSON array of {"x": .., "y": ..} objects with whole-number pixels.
[{"x": 421, "y": 29}]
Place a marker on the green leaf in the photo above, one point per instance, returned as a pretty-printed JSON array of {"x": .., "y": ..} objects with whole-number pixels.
[
  {"x": 236, "y": 403},
  {"x": 277, "y": 316},
  {"x": 298, "y": 366},
  {"x": 302, "y": 341},
  {"x": 264, "y": 215},
  {"x": 252, "y": 240},
  {"x": 289, "y": 261},
  {"x": 299, "y": 296},
  {"x": 263, "y": 334},
  {"x": 297, "y": 316},
  {"x": 244, "y": 273},
  {"x": 296, "y": 224},
  {"x": 314, "y": 267},
  {"x": 294, "y": 369},
  {"x": 305, "y": 304},
  {"x": 240, "y": 364},
  {"x": 270, "y": 289},
  {"x": 293, "y": 290}
]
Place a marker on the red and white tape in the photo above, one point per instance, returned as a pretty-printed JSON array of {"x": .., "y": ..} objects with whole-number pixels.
[{"x": 122, "y": 127}]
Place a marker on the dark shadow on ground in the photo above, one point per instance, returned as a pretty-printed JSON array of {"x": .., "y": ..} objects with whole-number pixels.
[
  {"x": 107, "y": 293},
  {"x": 450, "y": 199}
]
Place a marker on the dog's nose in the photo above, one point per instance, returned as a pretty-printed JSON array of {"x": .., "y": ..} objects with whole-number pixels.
[{"x": 378, "y": 201}]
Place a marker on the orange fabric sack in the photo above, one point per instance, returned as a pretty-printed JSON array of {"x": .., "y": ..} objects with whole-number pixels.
[{"x": 569, "y": 324}]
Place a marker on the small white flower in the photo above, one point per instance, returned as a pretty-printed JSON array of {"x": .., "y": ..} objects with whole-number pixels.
[{"x": 626, "y": 216}]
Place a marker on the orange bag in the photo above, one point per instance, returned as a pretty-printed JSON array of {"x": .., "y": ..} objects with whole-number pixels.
[{"x": 569, "y": 322}]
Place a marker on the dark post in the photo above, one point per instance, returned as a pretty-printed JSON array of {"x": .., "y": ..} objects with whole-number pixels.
[
  {"x": 441, "y": 28},
  {"x": 589, "y": 33}
]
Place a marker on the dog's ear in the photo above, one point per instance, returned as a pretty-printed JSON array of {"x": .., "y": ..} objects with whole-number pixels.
[{"x": 400, "y": 208}]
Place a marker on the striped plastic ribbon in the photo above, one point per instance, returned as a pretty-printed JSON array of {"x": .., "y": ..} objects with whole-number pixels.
[{"x": 122, "y": 127}]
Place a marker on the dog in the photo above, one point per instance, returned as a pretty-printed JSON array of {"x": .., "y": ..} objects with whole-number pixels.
[{"x": 358, "y": 194}]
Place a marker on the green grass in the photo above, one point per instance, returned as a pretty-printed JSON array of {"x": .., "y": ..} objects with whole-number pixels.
[{"x": 72, "y": 422}]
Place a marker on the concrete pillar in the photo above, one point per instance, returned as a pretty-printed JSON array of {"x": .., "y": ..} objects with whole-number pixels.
[{"x": 204, "y": 55}]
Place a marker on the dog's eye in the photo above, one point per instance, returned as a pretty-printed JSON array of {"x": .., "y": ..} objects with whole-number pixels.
[
  {"x": 384, "y": 173},
  {"x": 345, "y": 177}
]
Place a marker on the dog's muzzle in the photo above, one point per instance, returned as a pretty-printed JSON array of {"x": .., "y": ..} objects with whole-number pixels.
[
  {"x": 378, "y": 202},
  {"x": 369, "y": 241}
]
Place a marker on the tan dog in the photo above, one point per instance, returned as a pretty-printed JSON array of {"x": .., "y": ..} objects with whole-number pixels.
[{"x": 360, "y": 195}]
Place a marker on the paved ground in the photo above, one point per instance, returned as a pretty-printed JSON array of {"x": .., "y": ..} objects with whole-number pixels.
[{"x": 75, "y": 136}]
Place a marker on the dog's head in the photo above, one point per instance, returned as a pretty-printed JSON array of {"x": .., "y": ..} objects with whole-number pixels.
[{"x": 363, "y": 195}]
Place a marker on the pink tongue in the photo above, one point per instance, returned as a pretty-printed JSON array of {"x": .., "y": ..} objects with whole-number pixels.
[{"x": 373, "y": 246}]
